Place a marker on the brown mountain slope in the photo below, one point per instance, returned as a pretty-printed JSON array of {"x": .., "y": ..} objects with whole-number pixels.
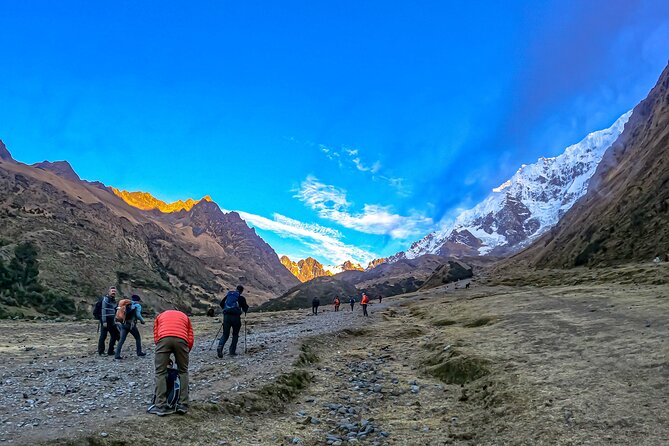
[
  {"x": 625, "y": 214},
  {"x": 88, "y": 238}
]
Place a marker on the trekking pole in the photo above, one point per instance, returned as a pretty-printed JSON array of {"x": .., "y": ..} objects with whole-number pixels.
[
  {"x": 244, "y": 333},
  {"x": 216, "y": 337}
]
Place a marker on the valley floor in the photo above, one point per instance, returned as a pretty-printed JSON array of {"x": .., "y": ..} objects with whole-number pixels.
[{"x": 562, "y": 365}]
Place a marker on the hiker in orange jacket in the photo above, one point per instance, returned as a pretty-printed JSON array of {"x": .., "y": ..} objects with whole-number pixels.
[
  {"x": 363, "y": 303},
  {"x": 336, "y": 303},
  {"x": 173, "y": 334}
]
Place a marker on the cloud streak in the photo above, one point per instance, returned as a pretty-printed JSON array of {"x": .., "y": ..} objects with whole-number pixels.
[
  {"x": 331, "y": 203},
  {"x": 325, "y": 241}
]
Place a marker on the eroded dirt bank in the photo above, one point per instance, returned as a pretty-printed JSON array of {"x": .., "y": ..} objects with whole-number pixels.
[{"x": 506, "y": 365}]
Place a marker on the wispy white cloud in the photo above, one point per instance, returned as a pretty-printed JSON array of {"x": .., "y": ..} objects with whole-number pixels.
[
  {"x": 331, "y": 203},
  {"x": 322, "y": 240}
]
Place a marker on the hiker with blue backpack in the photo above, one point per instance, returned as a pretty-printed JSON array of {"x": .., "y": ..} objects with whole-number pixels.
[
  {"x": 233, "y": 305},
  {"x": 132, "y": 313}
]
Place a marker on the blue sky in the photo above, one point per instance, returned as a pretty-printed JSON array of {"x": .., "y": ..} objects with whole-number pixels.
[{"x": 338, "y": 129}]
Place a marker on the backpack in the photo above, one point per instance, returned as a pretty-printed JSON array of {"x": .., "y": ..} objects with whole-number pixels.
[
  {"x": 97, "y": 309},
  {"x": 173, "y": 390},
  {"x": 123, "y": 310},
  {"x": 232, "y": 303}
]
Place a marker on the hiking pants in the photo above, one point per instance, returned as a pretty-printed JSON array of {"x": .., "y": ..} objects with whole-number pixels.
[
  {"x": 336, "y": 307},
  {"x": 132, "y": 329},
  {"x": 364, "y": 309},
  {"x": 314, "y": 309},
  {"x": 164, "y": 348},
  {"x": 352, "y": 307},
  {"x": 114, "y": 334},
  {"x": 233, "y": 321}
]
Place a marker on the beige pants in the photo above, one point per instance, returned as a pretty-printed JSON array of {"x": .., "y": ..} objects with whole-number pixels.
[{"x": 164, "y": 348}]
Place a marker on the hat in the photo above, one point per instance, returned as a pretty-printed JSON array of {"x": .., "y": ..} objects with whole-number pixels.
[{"x": 135, "y": 298}]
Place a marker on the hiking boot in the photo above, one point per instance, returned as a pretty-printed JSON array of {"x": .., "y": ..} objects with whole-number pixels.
[
  {"x": 233, "y": 354},
  {"x": 141, "y": 354},
  {"x": 155, "y": 410},
  {"x": 182, "y": 409},
  {"x": 111, "y": 353},
  {"x": 118, "y": 358},
  {"x": 219, "y": 351}
]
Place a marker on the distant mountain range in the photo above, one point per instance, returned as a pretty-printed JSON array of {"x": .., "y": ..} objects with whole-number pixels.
[
  {"x": 523, "y": 208},
  {"x": 90, "y": 236},
  {"x": 310, "y": 268}
]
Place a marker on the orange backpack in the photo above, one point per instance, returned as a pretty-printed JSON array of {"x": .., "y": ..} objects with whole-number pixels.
[{"x": 121, "y": 310}]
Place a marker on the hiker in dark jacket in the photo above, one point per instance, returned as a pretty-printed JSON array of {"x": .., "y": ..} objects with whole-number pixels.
[
  {"x": 132, "y": 315},
  {"x": 352, "y": 302},
  {"x": 315, "y": 303},
  {"x": 107, "y": 323},
  {"x": 233, "y": 305}
]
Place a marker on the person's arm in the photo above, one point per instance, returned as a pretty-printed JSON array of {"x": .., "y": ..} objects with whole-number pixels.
[
  {"x": 223, "y": 302},
  {"x": 242, "y": 303},
  {"x": 138, "y": 313},
  {"x": 103, "y": 318},
  {"x": 191, "y": 336},
  {"x": 156, "y": 324}
]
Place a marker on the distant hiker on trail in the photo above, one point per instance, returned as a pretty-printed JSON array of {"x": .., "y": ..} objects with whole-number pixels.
[
  {"x": 352, "y": 302},
  {"x": 233, "y": 304},
  {"x": 380, "y": 298},
  {"x": 363, "y": 303},
  {"x": 107, "y": 323},
  {"x": 173, "y": 334},
  {"x": 315, "y": 303},
  {"x": 656, "y": 259},
  {"x": 336, "y": 303},
  {"x": 129, "y": 325}
]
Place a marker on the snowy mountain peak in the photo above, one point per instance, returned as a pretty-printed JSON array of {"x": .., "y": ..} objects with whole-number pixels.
[{"x": 524, "y": 207}]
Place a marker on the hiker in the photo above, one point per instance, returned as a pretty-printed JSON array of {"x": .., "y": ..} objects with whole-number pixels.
[
  {"x": 107, "y": 323},
  {"x": 380, "y": 298},
  {"x": 315, "y": 303},
  {"x": 363, "y": 303},
  {"x": 132, "y": 314},
  {"x": 656, "y": 260},
  {"x": 173, "y": 334},
  {"x": 233, "y": 304},
  {"x": 352, "y": 302},
  {"x": 336, "y": 303}
]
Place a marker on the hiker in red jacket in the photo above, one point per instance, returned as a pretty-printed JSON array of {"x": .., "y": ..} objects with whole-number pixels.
[
  {"x": 363, "y": 303},
  {"x": 336, "y": 303},
  {"x": 173, "y": 334}
]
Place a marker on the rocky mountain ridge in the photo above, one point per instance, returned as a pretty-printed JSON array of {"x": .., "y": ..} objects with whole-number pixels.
[
  {"x": 305, "y": 269},
  {"x": 88, "y": 238},
  {"x": 524, "y": 207},
  {"x": 624, "y": 215}
]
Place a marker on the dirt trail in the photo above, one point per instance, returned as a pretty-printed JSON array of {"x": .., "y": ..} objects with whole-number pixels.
[{"x": 565, "y": 365}]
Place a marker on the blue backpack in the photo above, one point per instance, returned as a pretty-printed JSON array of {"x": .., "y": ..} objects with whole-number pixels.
[{"x": 232, "y": 303}]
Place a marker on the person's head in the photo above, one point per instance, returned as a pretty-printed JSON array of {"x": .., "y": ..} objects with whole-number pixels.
[
  {"x": 240, "y": 289},
  {"x": 136, "y": 298},
  {"x": 112, "y": 291}
]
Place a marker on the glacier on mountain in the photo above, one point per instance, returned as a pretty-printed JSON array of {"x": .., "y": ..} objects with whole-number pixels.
[{"x": 525, "y": 206}]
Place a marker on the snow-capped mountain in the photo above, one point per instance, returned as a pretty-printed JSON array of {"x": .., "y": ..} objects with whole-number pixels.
[{"x": 524, "y": 207}]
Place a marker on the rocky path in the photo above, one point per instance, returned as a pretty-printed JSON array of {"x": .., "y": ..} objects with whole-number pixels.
[{"x": 52, "y": 383}]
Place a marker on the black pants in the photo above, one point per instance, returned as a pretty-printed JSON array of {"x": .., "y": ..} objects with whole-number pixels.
[
  {"x": 231, "y": 321},
  {"x": 114, "y": 335},
  {"x": 132, "y": 329},
  {"x": 364, "y": 309},
  {"x": 314, "y": 309},
  {"x": 352, "y": 307}
]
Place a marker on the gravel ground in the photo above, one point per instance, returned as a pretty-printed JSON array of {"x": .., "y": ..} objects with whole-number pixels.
[{"x": 53, "y": 384}]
